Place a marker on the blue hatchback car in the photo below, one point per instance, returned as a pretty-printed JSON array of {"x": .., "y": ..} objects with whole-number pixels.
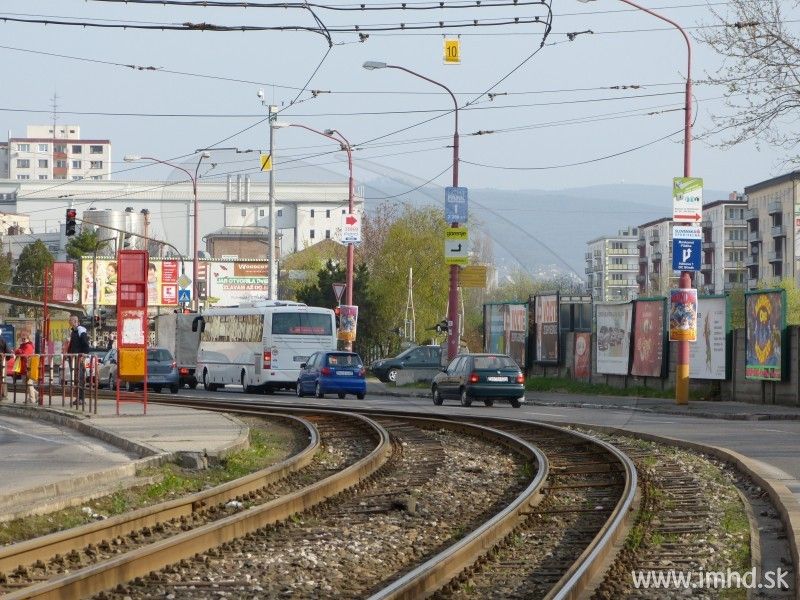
[{"x": 332, "y": 372}]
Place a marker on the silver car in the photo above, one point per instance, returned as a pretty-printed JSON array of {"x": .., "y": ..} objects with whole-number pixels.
[{"x": 161, "y": 371}]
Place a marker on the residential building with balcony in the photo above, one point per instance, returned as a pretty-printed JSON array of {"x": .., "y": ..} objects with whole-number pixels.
[
  {"x": 612, "y": 265},
  {"x": 655, "y": 276},
  {"x": 770, "y": 218},
  {"x": 726, "y": 249},
  {"x": 56, "y": 153}
]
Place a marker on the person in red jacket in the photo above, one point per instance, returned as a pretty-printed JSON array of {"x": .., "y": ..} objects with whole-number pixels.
[{"x": 26, "y": 349}]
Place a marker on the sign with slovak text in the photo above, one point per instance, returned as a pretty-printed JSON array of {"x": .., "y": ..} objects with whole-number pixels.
[
  {"x": 351, "y": 229},
  {"x": 687, "y": 199},
  {"x": 686, "y": 247},
  {"x": 455, "y": 204},
  {"x": 456, "y": 246}
]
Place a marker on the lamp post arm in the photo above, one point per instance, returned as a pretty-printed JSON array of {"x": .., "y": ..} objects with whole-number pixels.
[
  {"x": 687, "y": 137},
  {"x": 174, "y": 166},
  {"x": 455, "y": 105}
]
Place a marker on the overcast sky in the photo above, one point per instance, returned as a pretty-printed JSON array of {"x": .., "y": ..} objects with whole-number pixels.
[{"x": 555, "y": 109}]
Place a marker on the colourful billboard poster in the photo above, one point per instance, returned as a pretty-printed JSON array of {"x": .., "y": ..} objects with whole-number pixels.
[
  {"x": 546, "y": 318},
  {"x": 505, "y": 329},
  {"x": 708, "y": 356},
  {"x": 765, "y": 325},
  {"x": 162, "y": 281},
  {"x": 348, "y": 321},
  {"x": 648, "y": 338},
  {"x": 236, "y": 282},
  {"x": 613, "y": 350},
  {"x": 683, "y": 315},
  {"x": 582, "y": 368}
]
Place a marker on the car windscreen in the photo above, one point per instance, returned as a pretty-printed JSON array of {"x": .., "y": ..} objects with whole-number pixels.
[
  {"x": 159, "y": 355},
  {"x": 289, "y": 323},
  {"x": 494, "y": 362}
]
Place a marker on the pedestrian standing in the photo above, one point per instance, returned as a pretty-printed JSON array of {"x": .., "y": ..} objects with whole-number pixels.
[
  {"x": 78, "y": 346},
  {"x": 25, "y": 350},
  {"x": 5, "y": 351}
]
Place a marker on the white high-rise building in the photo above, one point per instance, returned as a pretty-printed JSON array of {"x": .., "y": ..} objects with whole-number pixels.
[
  {"x": 55, "y": 153},
  {"x": 612, "y": 265}
]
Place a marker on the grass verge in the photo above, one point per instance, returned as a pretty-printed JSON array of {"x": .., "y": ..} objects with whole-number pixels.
[
  {"x": 571, "y": 386},
  {"x": 268, "y": 445}
]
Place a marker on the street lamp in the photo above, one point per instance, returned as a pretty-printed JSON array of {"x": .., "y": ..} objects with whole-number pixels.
[
  {"x": 685, "y": 283},
  {"x": 337, "y": 137},
  {"x": 452, "y": 302},
  {"x": 196, "y": 238}
]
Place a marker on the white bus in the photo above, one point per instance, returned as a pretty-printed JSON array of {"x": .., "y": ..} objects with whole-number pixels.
[{"x": 261, "y": 346}]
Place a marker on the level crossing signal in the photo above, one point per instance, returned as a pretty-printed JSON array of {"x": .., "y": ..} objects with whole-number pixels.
[{"x": 71, "y": 215}]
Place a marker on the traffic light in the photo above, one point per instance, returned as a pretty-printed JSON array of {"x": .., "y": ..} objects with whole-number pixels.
[
  {"x": 71, "y": 214},
  {"x": 97, "y": 320},
  {"x": 442, "y": 327}
]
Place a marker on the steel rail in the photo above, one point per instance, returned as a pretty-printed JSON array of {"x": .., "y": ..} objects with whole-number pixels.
[
  {"x": 598, "y": 554},
  {"x": 139, "y": 562},
  {"x": 441, "y": 568},
  {"x": 62, "y": 542}
]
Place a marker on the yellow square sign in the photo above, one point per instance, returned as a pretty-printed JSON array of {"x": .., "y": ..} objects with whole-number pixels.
[
  {"x": 473, "y": 276},
  {"x": 266, "y": 162},
  {"x": 452, "y": 51},
  {"x": 131, "y": 362}
]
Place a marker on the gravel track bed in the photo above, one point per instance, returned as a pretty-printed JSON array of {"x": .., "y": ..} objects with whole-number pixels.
[
  {"x": 533, "y": 559},
  {"x": 436, "y": 487},
  {"x": 344, "y": 441},
  {"x": 688, "y": 523}
]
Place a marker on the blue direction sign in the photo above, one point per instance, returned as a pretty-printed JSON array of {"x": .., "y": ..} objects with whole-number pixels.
[
  {"x": 184, "y": 296},
  {"x": 455, "y": 204},
  {"x": 686, "y": 247}
]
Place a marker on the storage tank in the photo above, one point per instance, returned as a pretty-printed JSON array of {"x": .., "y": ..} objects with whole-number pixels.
[{"x": 129, "y": 222}]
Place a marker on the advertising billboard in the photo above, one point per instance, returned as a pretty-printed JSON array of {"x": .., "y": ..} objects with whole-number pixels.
[
  {"x": 765, "y": 326},
  {"x": 582, "y": 367},
  {"x": 649, "y": 355},
  {"x": 708, "y": 356},
  {"x": 230, "y": 283},
  {"x": 683, "y": 315},
  {"x": 162, "y": 281},
  {"x": 546, "y": 318},
  {"x": 613, "y": 348},
  {"x": 505, "y": 329}
]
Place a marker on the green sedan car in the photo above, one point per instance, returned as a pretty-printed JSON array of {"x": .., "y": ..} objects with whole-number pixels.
[{"x": 487, "y": 377}]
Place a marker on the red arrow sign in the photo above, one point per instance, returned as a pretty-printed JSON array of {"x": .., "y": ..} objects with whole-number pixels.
[
  {"x": 350, "y": 220},
  {"x": 694, "y": 217}
]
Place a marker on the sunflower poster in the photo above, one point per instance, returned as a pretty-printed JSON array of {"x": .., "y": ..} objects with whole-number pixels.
[{"x": 765, "y": 326}]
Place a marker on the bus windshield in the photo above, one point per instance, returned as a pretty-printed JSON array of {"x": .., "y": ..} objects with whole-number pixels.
[{"x": 290, "y": 323}]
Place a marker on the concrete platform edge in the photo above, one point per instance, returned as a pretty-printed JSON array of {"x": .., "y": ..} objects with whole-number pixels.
[{"x": 786, "y": 504}]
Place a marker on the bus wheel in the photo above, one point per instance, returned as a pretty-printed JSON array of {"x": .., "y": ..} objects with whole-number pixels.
[{"x": 209, "y": 387}]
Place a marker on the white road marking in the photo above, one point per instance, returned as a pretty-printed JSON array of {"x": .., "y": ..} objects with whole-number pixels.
[{"x": 38, "y": 437}]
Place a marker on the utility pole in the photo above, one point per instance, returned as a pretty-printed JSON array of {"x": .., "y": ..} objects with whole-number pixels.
[{"x": 273, "y": 273}]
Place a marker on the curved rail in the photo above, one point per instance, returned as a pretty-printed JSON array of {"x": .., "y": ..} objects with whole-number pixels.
[
  {"x": 141, "y": 561},
  {"x": 62, "y": 542},
  {"x": 438, "y": 570}
]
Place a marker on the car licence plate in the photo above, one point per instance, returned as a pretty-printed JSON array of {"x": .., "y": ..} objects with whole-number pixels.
[
  {"x": 497, "y": 379},
  {"x": 344, "y": 372}
]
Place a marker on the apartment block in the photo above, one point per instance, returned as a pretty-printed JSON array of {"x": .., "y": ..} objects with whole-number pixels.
[
  {"x": 57, "y": 153},
  {"x": 771, "y": 216},
  {"x": 611, "y": 266},
  {"x": 655, "y": 277},
  {"x": 725, "y": 246}
]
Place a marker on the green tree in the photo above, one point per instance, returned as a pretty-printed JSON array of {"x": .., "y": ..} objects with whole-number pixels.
[
  {"x": 86, "y": 242},
  {"x": 29, "y": 277},
  {"x": 6, "y": 271}
]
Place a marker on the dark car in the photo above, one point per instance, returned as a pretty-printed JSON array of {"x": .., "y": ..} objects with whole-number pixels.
[
  {"x": 487, "y": 377},
  {"x": 331, "y": 372},
  {"x": 416, "y": 357},
  {"x": 161, "y": 371}
]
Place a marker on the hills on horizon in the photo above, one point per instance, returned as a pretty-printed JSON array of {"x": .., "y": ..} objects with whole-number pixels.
[{"x": 546, "y": 231}]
